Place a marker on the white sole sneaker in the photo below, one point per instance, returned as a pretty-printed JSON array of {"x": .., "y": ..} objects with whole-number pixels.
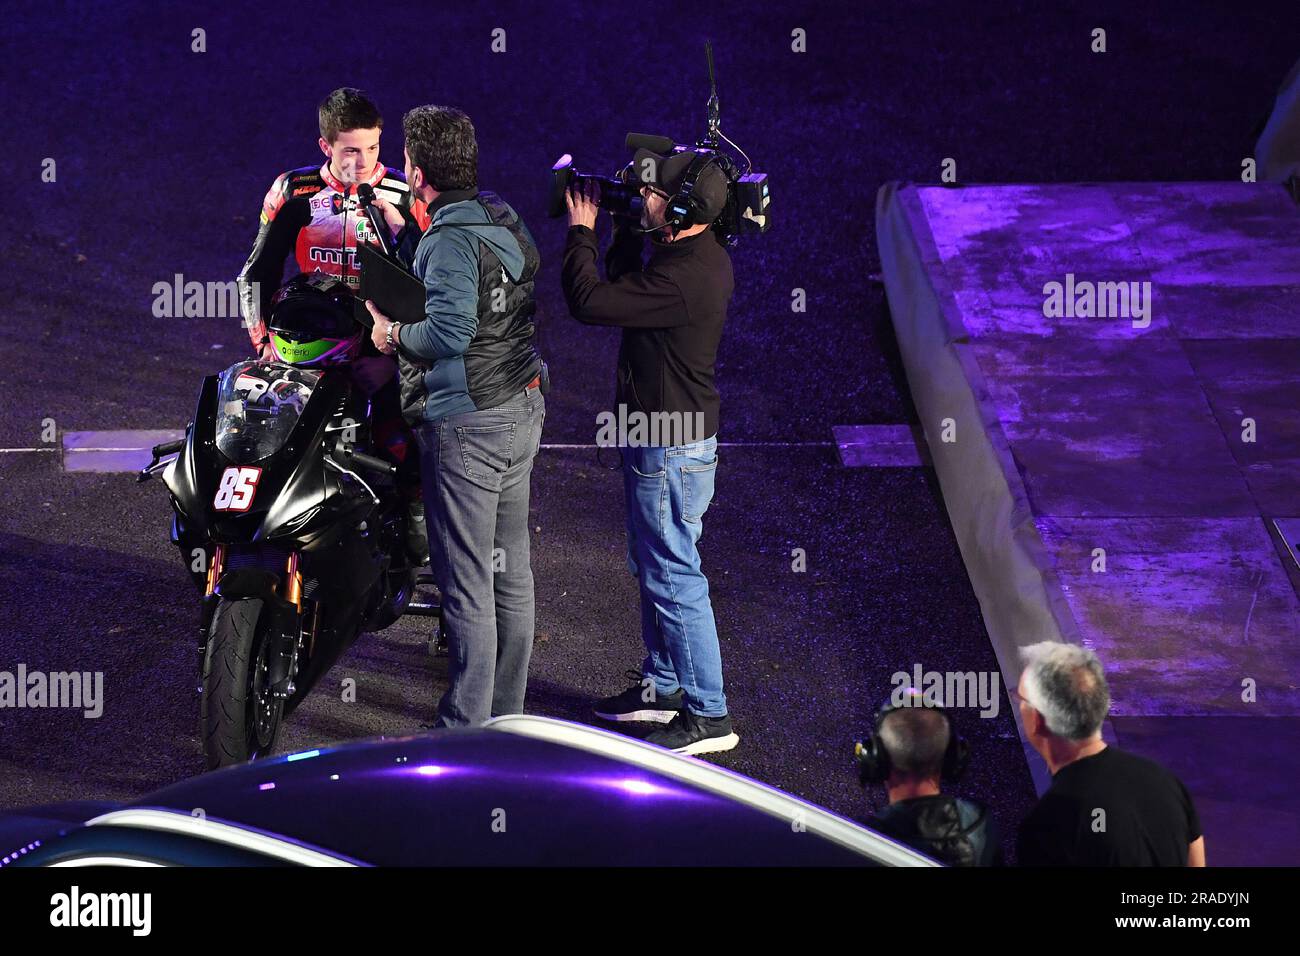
[
  {"x": 640, "y": 716},
  {"x": 709, "y": 745}
]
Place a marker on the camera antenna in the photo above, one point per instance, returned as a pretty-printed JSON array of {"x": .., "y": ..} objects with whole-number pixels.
[
  {"x": 712, "y": 140},
  {"x": 715, "y": 128}
]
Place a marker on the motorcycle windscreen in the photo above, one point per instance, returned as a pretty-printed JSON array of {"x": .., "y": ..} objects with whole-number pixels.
[{"x": 257, "y": 406}]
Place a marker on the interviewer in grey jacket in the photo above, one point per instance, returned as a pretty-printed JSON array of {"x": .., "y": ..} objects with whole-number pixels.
[{"x": 471, "y": 386}]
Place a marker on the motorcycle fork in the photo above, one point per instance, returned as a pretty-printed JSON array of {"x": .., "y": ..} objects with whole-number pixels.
[
  {"x": 284, "y": 663},
  {"x": 216, "y": 566},
  {"x": 284, "y": 668},
  {"x": 293, "y": 582}
]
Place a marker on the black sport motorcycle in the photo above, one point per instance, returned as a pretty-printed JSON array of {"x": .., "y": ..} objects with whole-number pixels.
[{"x": 294, "y": 533}]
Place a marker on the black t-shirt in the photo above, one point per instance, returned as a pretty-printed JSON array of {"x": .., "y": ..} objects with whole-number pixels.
[
  {"x": 1110, "y": 809},
  {"x": 671, "y": 308}
]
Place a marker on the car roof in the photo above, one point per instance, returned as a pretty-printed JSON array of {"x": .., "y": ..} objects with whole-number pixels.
[{"x": 520, "y": 790}]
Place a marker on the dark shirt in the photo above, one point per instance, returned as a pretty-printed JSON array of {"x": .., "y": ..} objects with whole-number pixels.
[
  {"x": 953, "y": 831},
  {"x": 1148, "y": 820},
  {"x": 671, "y": 311}
]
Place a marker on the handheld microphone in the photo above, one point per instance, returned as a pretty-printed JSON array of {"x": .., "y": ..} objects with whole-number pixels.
[{"x": 366, "y": 197}]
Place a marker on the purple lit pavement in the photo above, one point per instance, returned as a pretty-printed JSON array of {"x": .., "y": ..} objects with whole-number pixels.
[{"x": 1115, "y": 480}]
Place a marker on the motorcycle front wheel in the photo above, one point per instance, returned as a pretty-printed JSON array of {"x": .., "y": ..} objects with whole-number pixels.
[{"x": 239, "y": 717}]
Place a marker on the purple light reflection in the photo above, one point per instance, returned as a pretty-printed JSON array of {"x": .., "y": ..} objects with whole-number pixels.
[
  {"x": 628, "y": 785},
  {"x": 430, "y": 771},
  {"x": 637, "y": 787}
]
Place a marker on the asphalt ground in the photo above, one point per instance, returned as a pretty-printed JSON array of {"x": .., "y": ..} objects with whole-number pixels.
[{"x": 163, "y": 155}]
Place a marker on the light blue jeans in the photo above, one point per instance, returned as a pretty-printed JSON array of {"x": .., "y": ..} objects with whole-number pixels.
[{"x": 668, "y": 489}]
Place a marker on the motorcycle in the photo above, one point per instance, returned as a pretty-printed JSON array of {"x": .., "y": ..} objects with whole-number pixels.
[{"x": 292, "y": 530}]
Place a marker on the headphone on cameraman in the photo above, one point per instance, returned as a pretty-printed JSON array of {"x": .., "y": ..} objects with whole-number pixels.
[
  {"x": 685, "y": 207},
  {"x": 873, "y": 760}
]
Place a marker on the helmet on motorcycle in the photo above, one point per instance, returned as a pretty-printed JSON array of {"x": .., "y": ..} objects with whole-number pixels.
[{"x": 312, "y": 322}]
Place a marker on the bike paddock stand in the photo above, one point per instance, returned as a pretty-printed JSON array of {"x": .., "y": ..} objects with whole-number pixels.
[{"x": 420, "y": 607}]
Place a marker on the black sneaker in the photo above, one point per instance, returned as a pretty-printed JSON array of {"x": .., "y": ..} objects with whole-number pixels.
[
  {"x": 689, "y": 733},
  {"x": 640, "y": 702}
]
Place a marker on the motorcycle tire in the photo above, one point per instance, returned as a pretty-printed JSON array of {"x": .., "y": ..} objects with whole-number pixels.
[{"x": 239, "y": 717}]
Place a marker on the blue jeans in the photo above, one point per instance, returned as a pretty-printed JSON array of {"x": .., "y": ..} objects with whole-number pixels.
[
  {"x": 476, "y": 469},
  {"x": 667, "y": 490}
]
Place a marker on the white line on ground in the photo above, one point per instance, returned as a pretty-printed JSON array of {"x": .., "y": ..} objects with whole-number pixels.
[
  {"x": 879, "y": 446},
  {"x": 725, "y": 444},
  {"x": 115, "y": 450}
]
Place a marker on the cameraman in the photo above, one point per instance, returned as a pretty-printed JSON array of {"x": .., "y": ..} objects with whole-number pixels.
[
  {"x": 671, "y": 311},
  {"x": 912, "y": 749}
]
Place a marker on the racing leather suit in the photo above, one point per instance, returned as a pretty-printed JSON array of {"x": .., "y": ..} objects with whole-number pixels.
[{"x": 314, "y": 216}]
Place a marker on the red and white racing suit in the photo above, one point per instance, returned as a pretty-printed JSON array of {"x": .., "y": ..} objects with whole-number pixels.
[{"x": 315, "y": 217}]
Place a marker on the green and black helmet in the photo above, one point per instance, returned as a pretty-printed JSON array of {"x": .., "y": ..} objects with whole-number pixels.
[{"x": 312, "y": 322}]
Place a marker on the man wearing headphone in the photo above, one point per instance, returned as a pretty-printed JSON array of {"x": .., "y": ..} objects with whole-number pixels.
[
  {"x": 912, "y": 748},
  {"x": 671, "y": 309}
]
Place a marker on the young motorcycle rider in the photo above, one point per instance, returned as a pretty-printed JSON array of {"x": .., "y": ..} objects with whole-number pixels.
[{"x": 311, "y": 213}]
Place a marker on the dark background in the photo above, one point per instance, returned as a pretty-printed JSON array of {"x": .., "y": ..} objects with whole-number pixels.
[{"x": 163, "y": 158}]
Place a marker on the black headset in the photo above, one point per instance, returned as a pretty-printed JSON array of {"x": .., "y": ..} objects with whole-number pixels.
[
  {"x": 873, "y": 759},
  {"x": 685, "y": 207}
]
